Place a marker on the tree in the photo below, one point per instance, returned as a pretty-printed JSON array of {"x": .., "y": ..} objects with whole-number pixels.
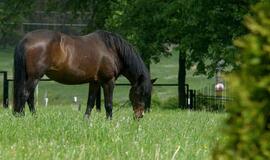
[
  {"x": 92, "y": 12},
  {"x": 247, "y": 128},
  {"x": 203, "y": 31},
  {"x": 12, "y": 12}
]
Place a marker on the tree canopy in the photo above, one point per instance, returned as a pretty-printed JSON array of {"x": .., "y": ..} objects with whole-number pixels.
[{"x": 205, "y": 29}]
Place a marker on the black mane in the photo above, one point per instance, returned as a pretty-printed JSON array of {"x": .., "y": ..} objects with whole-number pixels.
[
  {"x": 128, "y": 54},
  {"x": 131, "y": 60}
]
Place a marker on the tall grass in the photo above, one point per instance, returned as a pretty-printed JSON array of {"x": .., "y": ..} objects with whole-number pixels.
[{"x": 60, "y": 132}]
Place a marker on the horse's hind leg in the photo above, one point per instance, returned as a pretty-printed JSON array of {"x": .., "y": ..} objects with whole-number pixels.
[
  {"x": 31, "y": 102},
  {"x": 26, "y": 94},
  {"x": 30, "y": 89},
  {"x": 93, "y": 89},
  {"x": 108, "y": 97}
]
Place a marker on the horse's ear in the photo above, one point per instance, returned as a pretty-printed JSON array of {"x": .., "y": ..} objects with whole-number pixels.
[{"x": 153, "y": 80}]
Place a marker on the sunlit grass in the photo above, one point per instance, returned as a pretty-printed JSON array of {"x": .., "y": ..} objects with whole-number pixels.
[{"x": 60, "y": 132}]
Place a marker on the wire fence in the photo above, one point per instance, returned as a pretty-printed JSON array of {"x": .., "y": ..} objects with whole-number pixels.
[{"x": 202, "y": 99}]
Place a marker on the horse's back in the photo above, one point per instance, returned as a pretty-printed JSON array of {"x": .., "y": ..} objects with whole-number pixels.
[{"x": 69, "y": 59}]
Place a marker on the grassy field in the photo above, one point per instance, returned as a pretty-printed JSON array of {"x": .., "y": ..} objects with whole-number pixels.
[{"x": 60, "y": 132}]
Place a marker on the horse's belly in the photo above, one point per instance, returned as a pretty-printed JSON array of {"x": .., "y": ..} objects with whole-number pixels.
[{"x": 70, "y": 77}]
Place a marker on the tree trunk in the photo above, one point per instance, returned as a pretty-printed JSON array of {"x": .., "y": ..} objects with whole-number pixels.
[{"x": 182, "y": 79}]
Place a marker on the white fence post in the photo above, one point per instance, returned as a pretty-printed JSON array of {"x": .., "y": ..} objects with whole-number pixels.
[{"x": 46, "y": 99}]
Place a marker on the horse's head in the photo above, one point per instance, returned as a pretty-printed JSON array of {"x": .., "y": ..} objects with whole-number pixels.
[{"x": 140, "y": 94}]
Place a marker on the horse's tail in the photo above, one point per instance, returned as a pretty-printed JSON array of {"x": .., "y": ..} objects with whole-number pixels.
[{"x": 20, "y": 76}]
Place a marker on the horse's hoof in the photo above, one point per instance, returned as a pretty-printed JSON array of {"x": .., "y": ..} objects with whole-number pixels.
[
  {"x": 86, "y": 117},
  {"x": 18, "y": 114},
  {"x": 108, "y": 118},
  {"x": 34, "y": 114}
]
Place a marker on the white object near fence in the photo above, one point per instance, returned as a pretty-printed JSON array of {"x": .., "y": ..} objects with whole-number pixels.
[
  {"x": 219, "y": 87},
  {"x": 76, "y": 102},
  {"x": 46, "y": 99},
  {"x": 75, "y": 99}
]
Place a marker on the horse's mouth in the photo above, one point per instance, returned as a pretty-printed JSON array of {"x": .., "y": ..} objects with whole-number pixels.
[{"x": 138, "y": 112}]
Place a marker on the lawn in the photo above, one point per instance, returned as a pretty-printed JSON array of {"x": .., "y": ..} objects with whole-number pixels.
[{"x": 60, "y": 132}]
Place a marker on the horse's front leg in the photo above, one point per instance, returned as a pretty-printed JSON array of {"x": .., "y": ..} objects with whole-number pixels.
[
  {"x": 108, "y": 97},
  {"x": 98, "y": 99},
  {"x": 93, "y": 89}
]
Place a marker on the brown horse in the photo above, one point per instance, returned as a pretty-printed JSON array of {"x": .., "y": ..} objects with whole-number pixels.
[{"x": 97, "y": 58}]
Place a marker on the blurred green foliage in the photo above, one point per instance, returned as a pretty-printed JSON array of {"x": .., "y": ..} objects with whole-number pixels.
[{"x": 248, "y": 125}]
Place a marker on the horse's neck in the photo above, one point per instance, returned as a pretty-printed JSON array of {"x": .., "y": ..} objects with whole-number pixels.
[
  {"x": 131, "y": 78},
  {"x": 134, "y": 78}
]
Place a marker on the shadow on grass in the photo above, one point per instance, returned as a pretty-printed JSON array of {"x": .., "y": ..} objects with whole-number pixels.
[
  {"x": 172, "y": 104},
  {"x": 168, "y": 104}
]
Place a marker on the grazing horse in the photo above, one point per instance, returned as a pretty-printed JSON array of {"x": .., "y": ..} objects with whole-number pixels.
[{"x": 97, "y": 58}]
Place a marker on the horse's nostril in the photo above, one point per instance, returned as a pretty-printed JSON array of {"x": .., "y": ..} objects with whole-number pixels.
[{"x": 139, "y": 115}]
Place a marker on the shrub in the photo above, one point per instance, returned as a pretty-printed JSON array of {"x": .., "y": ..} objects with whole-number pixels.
[
  {"x": 170, "y": 103},
  {"x": 248, "y": 126},
  {"x": 210, "y": 103}
]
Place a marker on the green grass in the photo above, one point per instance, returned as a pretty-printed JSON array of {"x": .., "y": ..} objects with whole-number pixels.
[{"x": 59, "y": 132}]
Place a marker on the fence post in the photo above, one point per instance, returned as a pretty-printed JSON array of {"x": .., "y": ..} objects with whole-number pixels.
[
  {"x": 191, "y": 99},
  {"x": 195, "y": 100},
  {"x": 46, "y": 99},
  {"x": 187, "y": 94},
  {"x": 5, "y": 89}
]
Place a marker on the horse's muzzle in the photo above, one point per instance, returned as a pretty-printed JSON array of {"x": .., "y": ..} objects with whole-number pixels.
[{"x": 138, "y": 112}]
